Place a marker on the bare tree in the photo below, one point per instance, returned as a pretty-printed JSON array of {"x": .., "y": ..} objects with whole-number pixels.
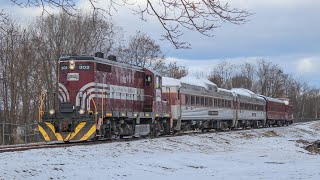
[
  {"x": 61, "y": 34},
  {"x": 222, "y": 74},
  {"x": 202, "y": 16},
  {"x": 217, "y": 79},
  {"x": 271, "y": 79},
  {"x": 142, "y": 51},
  {"x": 199, "y": 74},
  {"x": 241, "y": 81},
  {"x": 174, "y": 70},
  {"x": 8, "y": 58}
]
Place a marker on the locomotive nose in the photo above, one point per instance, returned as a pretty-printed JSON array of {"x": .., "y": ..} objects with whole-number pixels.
[
  {"x": 67, "y": 131},
  {"x": 66, "y": 126}
]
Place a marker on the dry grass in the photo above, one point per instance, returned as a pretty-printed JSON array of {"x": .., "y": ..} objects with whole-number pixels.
[
  {"x": 314, "y": 147},
  {"x": 270, "y": 134}
]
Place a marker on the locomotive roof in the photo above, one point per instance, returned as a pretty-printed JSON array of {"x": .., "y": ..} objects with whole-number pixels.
[{"x": 100, "y": 60}]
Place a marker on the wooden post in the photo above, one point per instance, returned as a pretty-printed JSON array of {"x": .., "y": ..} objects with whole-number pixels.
[
  {"x": 3, "y": 133},
  {"x": 25, "y": 133}
]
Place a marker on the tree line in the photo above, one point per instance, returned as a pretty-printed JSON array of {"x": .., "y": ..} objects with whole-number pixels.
[
  {"x": 29, "y": 55},
  {"x": 269, "y": 79}
]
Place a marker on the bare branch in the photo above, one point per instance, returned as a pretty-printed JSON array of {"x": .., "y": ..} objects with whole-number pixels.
[{"x": 202, "y": 16}]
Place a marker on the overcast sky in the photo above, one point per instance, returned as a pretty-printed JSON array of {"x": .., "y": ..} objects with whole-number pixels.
[{"x": 286, "y": 32}]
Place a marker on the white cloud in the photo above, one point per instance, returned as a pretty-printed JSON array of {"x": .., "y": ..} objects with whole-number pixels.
[
  {"x": 300, "y": 66},
  {"x": 307, "y": 65},
  {"x": 278, "y": 31},
  {"x": 252, "y": 4}
]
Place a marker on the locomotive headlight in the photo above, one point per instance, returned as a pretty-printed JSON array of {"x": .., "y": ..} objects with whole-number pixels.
[
  {"x": 51, "y": 111},
  {"x": 72, "y": 65},
  {"x": 81, "y": 111}
]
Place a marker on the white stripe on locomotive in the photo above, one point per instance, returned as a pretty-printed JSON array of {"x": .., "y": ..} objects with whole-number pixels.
[{"x": 114, "y": 92}]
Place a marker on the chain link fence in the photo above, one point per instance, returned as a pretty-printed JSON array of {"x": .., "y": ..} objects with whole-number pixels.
[{"x": 18, "y": 133}]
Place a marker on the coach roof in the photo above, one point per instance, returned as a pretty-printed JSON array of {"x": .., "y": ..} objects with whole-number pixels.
[
  {"x": 201, "y": 82},
  {"x": 246, "y": 93}
]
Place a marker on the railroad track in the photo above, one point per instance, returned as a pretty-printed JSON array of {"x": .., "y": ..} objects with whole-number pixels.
[
  {"x": 15, "y": 148},
  {"x": 43, "y": 146}
]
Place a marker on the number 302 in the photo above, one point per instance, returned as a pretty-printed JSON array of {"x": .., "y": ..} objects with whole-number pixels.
[{"x": 84, "y": 67}]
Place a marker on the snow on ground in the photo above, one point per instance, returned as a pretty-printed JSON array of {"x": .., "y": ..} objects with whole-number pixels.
[{"x": 270, "y": 153}]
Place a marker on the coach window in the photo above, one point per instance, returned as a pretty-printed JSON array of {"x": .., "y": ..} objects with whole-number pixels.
[
  {"x": 197, "y": 100},
  {"x": 193, "y": 100},
  {"x": 188, "y": 100},
  {"x": 202, "y": 101},
  {"x": 210, "y": 102}
]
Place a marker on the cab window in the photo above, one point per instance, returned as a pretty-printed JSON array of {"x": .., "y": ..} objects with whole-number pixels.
[{"x": 148, "y": 80}]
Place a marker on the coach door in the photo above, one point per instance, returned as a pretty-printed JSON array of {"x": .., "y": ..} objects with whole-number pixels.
[
  {"x": 236, "y": 109},
  {"x": 178, "y": 103}
]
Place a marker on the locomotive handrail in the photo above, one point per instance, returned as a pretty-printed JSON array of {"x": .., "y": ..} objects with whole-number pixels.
[
  {"x": 42, "y": 99},
  {"x": 95, "y": 107}
]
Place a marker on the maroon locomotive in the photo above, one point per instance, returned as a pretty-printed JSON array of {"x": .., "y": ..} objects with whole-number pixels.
[{"x": 126, "y": 97}]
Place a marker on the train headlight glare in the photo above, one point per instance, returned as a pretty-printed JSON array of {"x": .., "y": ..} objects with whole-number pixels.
[
  {"x": 72, "y": 66},
  {"x": 51, "y": 111},
  {"x": 81, "y": 111}
]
